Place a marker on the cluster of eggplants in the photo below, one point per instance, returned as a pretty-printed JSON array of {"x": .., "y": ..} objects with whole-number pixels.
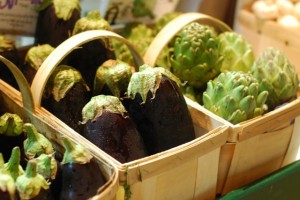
[{"x": 41, "y": 174}]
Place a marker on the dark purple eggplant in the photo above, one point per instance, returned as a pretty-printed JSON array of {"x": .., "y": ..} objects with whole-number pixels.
[
  {"x": 34, "y": 58},
  {"x": 67, "y": 95},
  {"x": 91, "y": 54},
  {"x": 81, "y": 175},
  {"x": 112, "y": 78},
  {"x": 159, "y": 109},
  {"x": 11, "y": 135},
  {"x": 56, "y": 20},
  {"x": 32, "y": 185},
  {"x": 8, "y": 187},
  {"x": 108, "y": 126},
  {"x": 9, "y": 51},
  {"x": 36, "y": 143}
]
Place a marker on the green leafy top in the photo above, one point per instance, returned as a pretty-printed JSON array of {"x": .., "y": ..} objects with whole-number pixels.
[
  {"x": 37, "y": 54},
  {"x": 11, "y": 124},
  {"x": 94, "y": 108}
]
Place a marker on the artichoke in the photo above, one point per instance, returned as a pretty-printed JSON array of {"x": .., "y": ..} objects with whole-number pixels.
[
  {"x": 196, "y": 57},
  {"x": 235, "y": 96},
  {"x": 277, "y": 76},
  {"x": 164, "y": 20},
  {"x": 238, "y": 53}
]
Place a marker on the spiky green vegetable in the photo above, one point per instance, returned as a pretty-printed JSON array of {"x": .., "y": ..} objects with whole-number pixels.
[
  {"x": 196, "y": 57},
  {"x": 238, "y": 53},
  {"x": 235, "y": 96},
  {"x": 277, "y": 76}
]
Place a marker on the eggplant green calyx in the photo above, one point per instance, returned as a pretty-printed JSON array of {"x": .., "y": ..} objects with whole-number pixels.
[
  {"x": 36, "y": 143},
  {"x": 148, "y": 79},
  {"x": 47, "y": 166},
  {"x": 92, "y": 21},
  {"x": 94, "y": 108},
  {"x": 7, "y": 183},
  {"x": 64, "y": 8},
  {"x": 37, "y": 54},
  {"x": 64, "y": 80},
  {"x": 11, "y": 124},
  {"x": 6, "y": 44},
  {"x": 13, "y": 165},
  {"x": 115, "y": 74},
  {"x": 75, "y": 153},
  {"x": 30, "y": 183}
]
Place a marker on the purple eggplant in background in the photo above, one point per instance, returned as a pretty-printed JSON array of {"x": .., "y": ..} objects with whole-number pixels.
[
  {"x": 66, "y": 94},
  {"x": 9, "y": 51},
  {"x": 34, "y": 58},
  {"x": 56, "y": 20},
  {"x": 92, "y": 54},
  {"x": 107, "y": 125},
  {"x": 159, "y": 109}
]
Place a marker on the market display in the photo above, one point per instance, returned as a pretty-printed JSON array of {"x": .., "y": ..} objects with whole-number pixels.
[{"x": 192, "y": 115}]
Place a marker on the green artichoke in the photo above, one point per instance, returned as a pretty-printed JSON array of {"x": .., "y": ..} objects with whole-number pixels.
[
  {"x": 196, "y": 58},
  {"x": 235, "y": 96},
  {"x": 277, "y": 76},
  {"x": 238, "y": 53}
]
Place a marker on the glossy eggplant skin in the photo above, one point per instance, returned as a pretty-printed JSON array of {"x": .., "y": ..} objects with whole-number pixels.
[
  {"x": 69, "y": 108},
  {"x": 115, "y": 135},
  {"x": 88, "y": 58},
  {"x": 163, "y": 121},
  {"x": 52, "y": 30},
  {"x": 80, "y": 181}
]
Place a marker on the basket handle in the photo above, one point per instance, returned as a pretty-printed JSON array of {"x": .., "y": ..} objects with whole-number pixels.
[
  {"x": 60, "y": 52},
  {"x": 22, "y": 83},
  {"x": 172, "y": 28}
]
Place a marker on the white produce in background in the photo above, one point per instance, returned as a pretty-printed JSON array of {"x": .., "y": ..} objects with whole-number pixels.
[{"x": 265, "y": 9}]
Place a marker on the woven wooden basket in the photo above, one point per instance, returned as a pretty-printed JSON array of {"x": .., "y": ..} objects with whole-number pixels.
[
  {"x": 21, "y": 103},
  {"x": 188, "y": 171},
  {"x": 255, "y": 147}
]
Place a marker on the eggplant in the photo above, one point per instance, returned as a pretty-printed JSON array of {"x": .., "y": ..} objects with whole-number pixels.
[
  {"x": 36, "y": 144},
  {"x": 112, "y": 78},
  {"x": 9, "y": 51},
  {"x": 81, "y": 174},
  {"x": 34, "y": 58},
  {"x": 159, "y": 109},
  {"x": 108, "y": 126},
  {"x": 7, "y": 183},
  {"x": 92, "y": 54},
  {"x": 56, "y": 20},
  {"x": 66, "y": 94},
  {"x": 32, "y": 185},
  {"x": 11, "y": 135}
]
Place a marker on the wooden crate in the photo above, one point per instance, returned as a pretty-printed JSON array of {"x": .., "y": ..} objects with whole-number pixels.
[
  {"x": 255, "y": 147},
  {"x": 188, "y": 171},
  {"x": 265, "y": 33},
  {"x": 21, "y": 103}
]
